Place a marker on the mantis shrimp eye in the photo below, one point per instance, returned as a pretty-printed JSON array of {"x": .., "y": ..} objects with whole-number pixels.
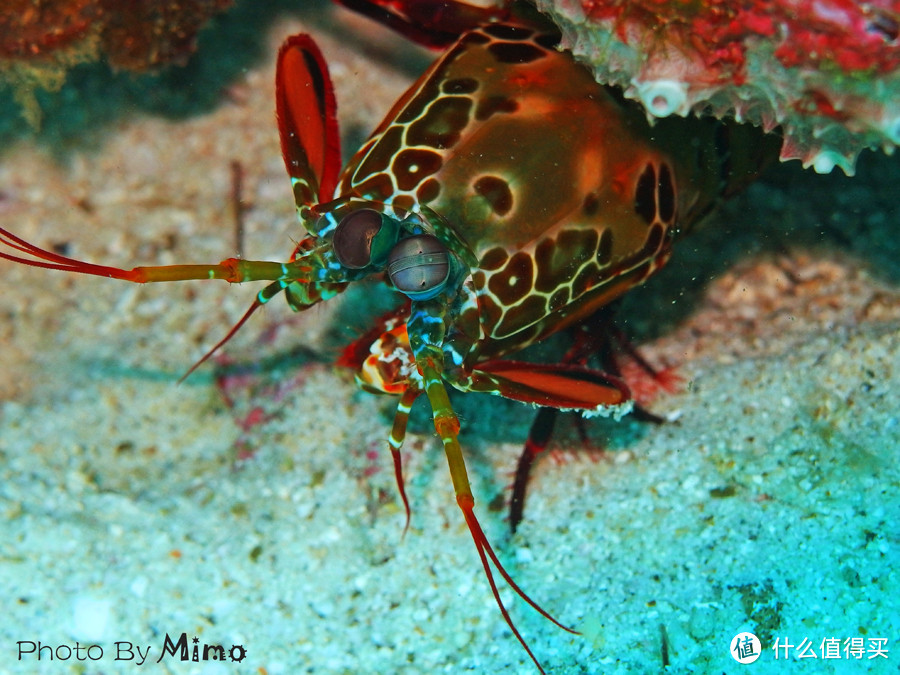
[
  {"x": 419, "y": 266},
  {"x": 353, "y": 238}
]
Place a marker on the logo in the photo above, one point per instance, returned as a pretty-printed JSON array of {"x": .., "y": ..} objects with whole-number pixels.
[
  {"x": 176, "y": 650},
  {"x": 745, "y": 648}
]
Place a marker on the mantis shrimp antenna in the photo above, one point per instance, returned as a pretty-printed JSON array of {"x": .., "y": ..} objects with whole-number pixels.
[{"x": 232, "y": 270}]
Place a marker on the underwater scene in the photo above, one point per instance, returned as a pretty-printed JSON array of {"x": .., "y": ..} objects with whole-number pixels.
[{"x": 248, "y": 519}]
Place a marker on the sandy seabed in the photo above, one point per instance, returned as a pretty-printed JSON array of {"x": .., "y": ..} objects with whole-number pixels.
[{"x": 133, "y": 508}]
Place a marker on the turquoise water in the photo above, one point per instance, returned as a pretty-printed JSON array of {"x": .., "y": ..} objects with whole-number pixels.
[{"x": 135, "y": 508}]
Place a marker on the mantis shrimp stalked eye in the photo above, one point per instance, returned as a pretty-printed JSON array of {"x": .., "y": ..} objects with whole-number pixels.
[
  {"x": 506, "y": 197},
  {"x": 419, "y": 266},
  {"x": 357, "y": 243}
]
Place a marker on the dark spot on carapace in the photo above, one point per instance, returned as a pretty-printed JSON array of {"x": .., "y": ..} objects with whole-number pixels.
[
  {"x": 376, "y": 187},
  {"x": 496, "y": 192},
  {"x": 442, "y": 124},
  {"x": 666, "y": 196},
  {"x": 491, "y": 312},
  {"x": 403, "y": 202},
  {"x": 516, "y": 52},
  {"x": 473, "y": 38},
  {"x": 645, "y": 195},
  {"x": 591, "y": 204},
  {"x": 493, "y": 259},
  {"x": 493, "y": 105},
  {"x": 522, "y": 315},
  {"x": 460, "y": 85},
  {"x": 413, "y": 165},
  {"x": 514, "y": 281},
  {"x": 428, "y": 191}
]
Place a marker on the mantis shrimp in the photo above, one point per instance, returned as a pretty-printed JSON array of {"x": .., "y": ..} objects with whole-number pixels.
[{"x": 506, "y": 197}]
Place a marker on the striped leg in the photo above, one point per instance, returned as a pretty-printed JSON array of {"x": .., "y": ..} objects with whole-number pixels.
[
  {"x": 446, "y": 424},
  {"x": 426, "y": 329},
  {"x": 395, "y": 441}
]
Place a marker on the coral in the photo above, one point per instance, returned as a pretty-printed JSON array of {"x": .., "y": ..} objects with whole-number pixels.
[
  {"x": 140, "y": 35},
  {"x": 133, "y": 34},
  {"x": 41, "y": 39},
  {"x": 826, "y": 71}
]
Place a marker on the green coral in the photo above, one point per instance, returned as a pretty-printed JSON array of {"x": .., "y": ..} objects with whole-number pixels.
[{"x": 25, "y": 77}]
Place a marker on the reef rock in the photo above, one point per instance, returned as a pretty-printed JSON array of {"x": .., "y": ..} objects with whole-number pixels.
[{"x": 825, "y": 71}]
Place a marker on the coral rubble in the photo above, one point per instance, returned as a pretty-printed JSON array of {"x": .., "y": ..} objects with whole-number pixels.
[
  {"x": 41, "y": 39},
  {"x": 826, "y": 71}
]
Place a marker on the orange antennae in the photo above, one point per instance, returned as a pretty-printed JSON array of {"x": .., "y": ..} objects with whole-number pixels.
[
  {"x": 231, "y": 333},
  {"x": 233, "y": 270},
  {"x": 54, "y": 261},
  {"x": 261, "y": 298}
]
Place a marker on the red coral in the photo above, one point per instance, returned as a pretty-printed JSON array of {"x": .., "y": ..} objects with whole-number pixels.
[
  {"x": 29, "y": 28},
  {"x": 847, "y": 34},
  {"x": 138, "y": 34},
  {"x": 133, "y": 34}
]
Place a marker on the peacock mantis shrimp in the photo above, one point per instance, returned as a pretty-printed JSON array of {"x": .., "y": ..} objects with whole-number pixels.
[{"x": 506, "y": 197}]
